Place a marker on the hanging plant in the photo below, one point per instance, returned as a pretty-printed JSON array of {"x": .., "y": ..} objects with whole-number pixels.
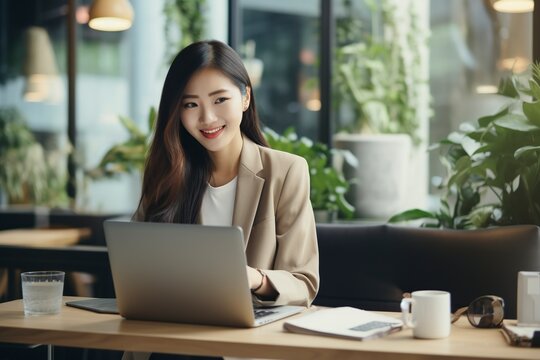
[
  {"x": 184, "y": 24},
  {"x": 380, "y": 74}
]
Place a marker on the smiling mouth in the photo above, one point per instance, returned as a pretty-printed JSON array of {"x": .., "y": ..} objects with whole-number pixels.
[{"x": 212, "y": 133}]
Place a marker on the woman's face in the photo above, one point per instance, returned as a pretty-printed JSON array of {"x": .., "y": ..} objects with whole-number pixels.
[{"x": 212, "y": 107}]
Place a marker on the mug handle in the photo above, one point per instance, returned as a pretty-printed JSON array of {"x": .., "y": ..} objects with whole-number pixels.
[{"x": 405, "y": 312}]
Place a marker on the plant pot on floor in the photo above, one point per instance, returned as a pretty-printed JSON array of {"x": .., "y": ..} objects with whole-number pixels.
[
  {"x": 378, "y": 183},
  {"x": 325, "y": 216}
]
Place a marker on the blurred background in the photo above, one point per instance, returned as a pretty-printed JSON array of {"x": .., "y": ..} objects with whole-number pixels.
[{"x": 72, "y": 84}]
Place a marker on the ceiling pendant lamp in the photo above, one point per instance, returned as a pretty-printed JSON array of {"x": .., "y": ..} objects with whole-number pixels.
[
  {"x": 110, "y": 15},
  {"x": 43, "y": 84},
  {"x": 514, "y": 6}
]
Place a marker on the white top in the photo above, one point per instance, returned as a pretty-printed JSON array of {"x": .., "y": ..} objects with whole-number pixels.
[{"x": 218, "y": 204}]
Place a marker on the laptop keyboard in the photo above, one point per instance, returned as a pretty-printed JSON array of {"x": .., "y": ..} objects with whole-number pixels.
[{"x": 260, "y": 313}]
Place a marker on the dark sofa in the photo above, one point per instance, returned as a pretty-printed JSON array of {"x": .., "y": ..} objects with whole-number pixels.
[{"x": 370, "y": 267}]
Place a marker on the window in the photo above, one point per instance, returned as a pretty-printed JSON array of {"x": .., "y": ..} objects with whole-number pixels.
[
  {"x": 284, "y": 36},
  {"x": 471, "y": 47}
]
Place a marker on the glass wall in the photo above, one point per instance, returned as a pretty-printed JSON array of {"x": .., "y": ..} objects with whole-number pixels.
[
  {"x": 118, "y": 75},
  {"x": 471, "y": 46},
  {"x": 284, "y": 36},
  {"x": 33, "y": 102}
]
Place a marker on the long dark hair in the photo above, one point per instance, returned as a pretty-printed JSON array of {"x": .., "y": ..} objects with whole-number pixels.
[{"x": 178, "y": 168}]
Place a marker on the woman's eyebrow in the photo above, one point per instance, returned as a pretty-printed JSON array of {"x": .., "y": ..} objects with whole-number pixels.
[
  {"x": 217, "y": 92},
  {"x": 188, "y": 96}
]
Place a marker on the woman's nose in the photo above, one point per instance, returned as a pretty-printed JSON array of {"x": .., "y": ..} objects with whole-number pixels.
[{"x": 207, "y": 116}]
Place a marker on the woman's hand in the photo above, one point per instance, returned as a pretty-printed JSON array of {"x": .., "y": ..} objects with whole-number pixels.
[
  {"x": 259, "y": 284},
  {"x": 255, "y": 277}
]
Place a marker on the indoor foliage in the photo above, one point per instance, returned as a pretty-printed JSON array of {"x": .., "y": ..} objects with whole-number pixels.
[
  {"x": 493, "y": 166},
  {"x": 380, "y": 72},
  {"x": 328, "y": 186},
  {"x": 27, "y": 174},
  {"x": 184, "y": 24},
  {"x": 130, "y": 155}
]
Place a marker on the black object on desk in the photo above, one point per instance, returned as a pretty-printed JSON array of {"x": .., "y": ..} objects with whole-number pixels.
[
  {"x": 535, "y": 341},
  {"x": 103, "y": 305}
]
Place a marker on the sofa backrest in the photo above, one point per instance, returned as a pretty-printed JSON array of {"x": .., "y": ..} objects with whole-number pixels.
[{"x": 370, "y": 267}]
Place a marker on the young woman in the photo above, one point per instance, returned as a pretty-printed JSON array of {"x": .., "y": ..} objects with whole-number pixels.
[{"x": 209, "y": 163}]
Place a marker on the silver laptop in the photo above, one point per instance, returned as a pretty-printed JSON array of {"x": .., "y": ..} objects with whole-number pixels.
[{"x": 184, "y": 273}]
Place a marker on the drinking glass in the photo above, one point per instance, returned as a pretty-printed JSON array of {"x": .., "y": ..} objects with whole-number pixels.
[{"x": 42, "y": 292}]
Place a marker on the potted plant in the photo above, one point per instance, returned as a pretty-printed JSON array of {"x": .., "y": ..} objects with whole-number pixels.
[
  {"x": 128, "y": 156},
  {"x": 382, "y": 80},
  {"x": 493, "y": 165},
  {"x": 328, "y": 186},
  {"x": 27, "y": 175}
]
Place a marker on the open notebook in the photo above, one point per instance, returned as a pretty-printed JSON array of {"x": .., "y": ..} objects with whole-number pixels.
[{"x": 345, "y": 322}]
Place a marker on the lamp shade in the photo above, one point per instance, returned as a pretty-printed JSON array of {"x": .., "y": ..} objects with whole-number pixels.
[
  {"x": 42, "y": 79},
  {"x": 110, "y": 15},
  {"x": 39, "y": 53},
  {"x": 514, "y": 6}
]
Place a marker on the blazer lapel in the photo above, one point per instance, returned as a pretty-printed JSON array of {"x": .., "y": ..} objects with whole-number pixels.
[{"x": 249, "y": 187}]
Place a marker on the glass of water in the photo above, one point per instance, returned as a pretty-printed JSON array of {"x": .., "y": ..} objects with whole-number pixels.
[{"x": 42, "y": 292}]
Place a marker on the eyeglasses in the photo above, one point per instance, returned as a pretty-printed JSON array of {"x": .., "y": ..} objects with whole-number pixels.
[{"x": 484, "y": 312}]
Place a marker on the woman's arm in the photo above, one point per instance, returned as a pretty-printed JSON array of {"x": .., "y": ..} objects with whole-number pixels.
[{"x": 295, "y": 274}]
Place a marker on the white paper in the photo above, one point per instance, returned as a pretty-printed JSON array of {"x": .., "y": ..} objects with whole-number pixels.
[
  {"x": 523, "y": 331},
  {"x": 344, "y": 322}
]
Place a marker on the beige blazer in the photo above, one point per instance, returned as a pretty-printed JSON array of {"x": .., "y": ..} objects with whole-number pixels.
[{"x": 273, "y": 208}]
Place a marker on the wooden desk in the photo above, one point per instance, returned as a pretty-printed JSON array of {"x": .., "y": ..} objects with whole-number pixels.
[
  {"x": 80, "y": 328},
  {"x": 43, "y": 237}
]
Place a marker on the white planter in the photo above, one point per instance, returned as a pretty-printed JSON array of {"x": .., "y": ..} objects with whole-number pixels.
[
  {"x": 324, "y": 216},
  {"x": 379, "y": 182}
]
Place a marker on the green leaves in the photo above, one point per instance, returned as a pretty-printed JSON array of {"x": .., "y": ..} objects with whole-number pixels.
[
  {"x": 493, "y": 167},
  {"x": 380, "y": 78},
  {"x": 524, "y": 150},
  {"x": 413, "y": 214},
  {"x": 184, "y": 24},
  {"x": 532, "y": 112},
  {"x": 516, "y": 122},
  {"x": 128, "y": 156},
  {"x": 27, "y": 173},
  {"x": 328, "y": 186}
]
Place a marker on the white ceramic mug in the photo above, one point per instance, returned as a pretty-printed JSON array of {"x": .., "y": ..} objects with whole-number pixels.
[{"x": 430, "y": 313}]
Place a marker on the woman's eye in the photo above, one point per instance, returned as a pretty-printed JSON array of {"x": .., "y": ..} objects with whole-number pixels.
[
  {"x": 221, "y": 100},
  {"x": 190, "y": 105}
]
